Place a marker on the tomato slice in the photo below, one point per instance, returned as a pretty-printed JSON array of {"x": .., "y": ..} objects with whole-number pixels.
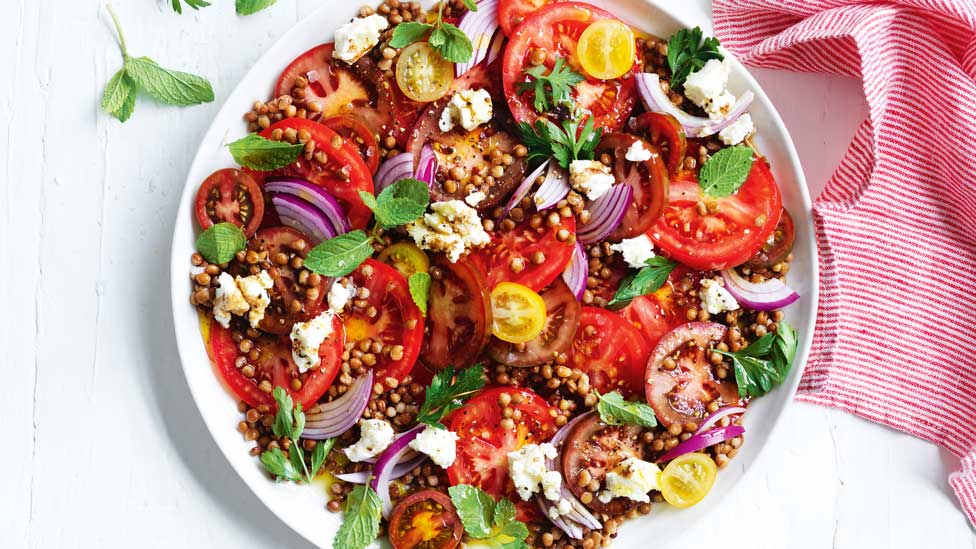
[
  {"x": 230, "y": 196},
  {"x": 681, "y": 382},
  {"x": 344, "y": 175},
  {"x": 397, "y": 322},
  {"x": 355, "y": 132},
  {"x": 405, "y": 257},
  {"x": 664, "y": 310},
  {"x": 730, "y": 232},
  {"x": 606, "y": 49},
  {"x": 556, "y": 29},
  {"x": 778, "y": 247},
  {"x": 610, "y": 350},
  {"x": 562, "y": 317},
  {"x": 517, "y": 313},
  {"x": 339, "y": 88},
  {"x": 458, "y": 315},
  {"x": 425, "y": 520},
  {"x": 649, "y": 179},
  {"x": 665, "y": 132},
  {"x": 597, "y": 448},
  {"x": 688, "y": 479},
  {"x": 275, "y": 366},
  {"x": 511, "y": 13},
  {"x": 423, "y": 74},
  {"x": 484, "y": 445},
  {"x": 522, "y": 243}
]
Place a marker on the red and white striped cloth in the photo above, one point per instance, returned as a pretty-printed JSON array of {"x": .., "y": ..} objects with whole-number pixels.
[{"x": 896, "y": 225}]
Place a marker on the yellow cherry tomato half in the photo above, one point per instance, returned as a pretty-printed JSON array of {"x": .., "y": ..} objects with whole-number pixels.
[
  {"x": 518, "y": 313},
  {"x": 405, "y": 258},
  {"x": 422, "y": 74},
  {"x": 688, "y": 479},
  {"x": 606, "y": 49}
]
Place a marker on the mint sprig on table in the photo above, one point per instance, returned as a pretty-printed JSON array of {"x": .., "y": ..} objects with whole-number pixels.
[
  {"x": 486, "y": 522},
  {"x": 195, "y": 4},
  {"x": 727, "y": 170},
  {"x": 290, "y": 422},
  {"x": 446, "y": 39},
  {"x": 142, "y": 73},
  {"x": 243, "y": 7},
  {"x": 766, "y": 362},
  {"x": 645, "y": 281}
]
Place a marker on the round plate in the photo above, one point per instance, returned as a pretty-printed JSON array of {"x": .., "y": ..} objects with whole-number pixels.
[{"x": 303, "y": 507}]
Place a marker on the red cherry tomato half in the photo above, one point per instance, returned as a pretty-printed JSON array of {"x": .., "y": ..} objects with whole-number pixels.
[
  {"x": 425, "y": 520},
  {"x": 230, "y": 196}
]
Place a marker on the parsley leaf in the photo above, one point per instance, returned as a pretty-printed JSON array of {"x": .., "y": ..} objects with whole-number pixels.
[
  {"x": 687, "y": 53},
  {"x": 289, "y": 419},
  {"x": 726, "y": 171},
  {"x": 546, "y": 139},
  {"x": 470, "y": 5},
  {"x": 551, "y": 89},
  {"x": 615, "y": 410},
  {"x": 321, "y": 451},
  {"x": 489, "y": 523},
  {"x": 341, "y": 255},
  {"x": 420, "y": 290},
  {"x": 448, "y": 392},
  {"x": 220, "y": 243},
  {"x": 248, "y": 7},
  {"x": 277, "y": 464},
  {"x": 195, "y": 4},
  {"x": 765, "y": 363},
  {"x": 257, "y": 153},
  {"x": 361, "y": 519},
  {"x": 400, "y": 203},
  {"x": 408, "y": 32},
  {"x": 647, "y": 280}
]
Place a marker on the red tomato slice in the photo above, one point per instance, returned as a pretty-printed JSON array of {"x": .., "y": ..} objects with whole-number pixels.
[
  {"x": 610, "y": 350},
  {"x": 231, "y": 196},
  {"x": 397, "y": 322},
  {"x": 511, "y": 13},
  {"x": 482, "y": 451},
  {"x": 275, "y": 365},
  {"x": 732, "y": 230},
  {"x": 425, "y": 520},
  {"x": 555, "y": 29},
  {"x": 344, "y": 175},
  {"x": 357, "y": 133},
  {"x": 649, "y": 179},
  {"x": 523, "y": 242},
  {"x": 458, "y": 315},
  {"x": 665, "y": 132},
  {"x": 660, "y": 312},
  {"x": 279, "y": 318}
]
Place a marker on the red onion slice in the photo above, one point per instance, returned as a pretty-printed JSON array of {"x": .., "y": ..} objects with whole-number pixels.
[
  {"x": 553, "y": 189},
  {"x": 480, "y": 27},
  {"x": 314, "y": 194},
  {"x": 606, "y": 213},
  {"x": 427, "y": 165},
  {"x": 718, "y": 415},
  {"x": 654, "y": 98},
  {"x": 768, "y": 295},
  {"x": 384, "y": 468},
  {"x": 324, "y": 421},
  {"x": 700, "y": 441},
  {"x": 303, "y": 217},
  {"x": 397, "y": 168},
  {"x": 399, "y": 470},
  {"x": 523, "y": 189},
  {"x": 579, "y": 516},
  {"x": 577, "y": 271}
]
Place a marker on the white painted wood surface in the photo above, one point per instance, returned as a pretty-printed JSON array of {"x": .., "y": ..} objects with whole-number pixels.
[{"x": 103, "y": 446}]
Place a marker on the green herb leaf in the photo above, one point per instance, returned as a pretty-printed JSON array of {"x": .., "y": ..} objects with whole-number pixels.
[
  {"x": 289, "y": 419},
  {"x": 116, "y": 92},
  {"x": 319, "y": 455},
  {"x": 547, "y": 139},
  {"x": 400, "y": 203},
  {"x": 447, "y": 394},
  {"x": 615, "y": 410},
  {"x": 647, "y": 280},
  {"x": 195, "y": 4},
  {"x": 551, "y": 89},
  {"x": 420, "y": 290},
  {"x": 220, "y": 243},
  {"x": 507, "y": 532},
  {"x": 258, "y": 153},
  {"x": 169, "y": 86},
  {"x": 248, "y": 7},
  {"x": 486, "y": 522},
  {"x": 341, "y": 255},
  {"x": 784, "y": 348},
  {"x": 687, "y": 53},
  {"x": 296, "y": 455},
  {"x": 470, "y": 5},
  {"x": 408, "y": 32},
  {"x": 726, "y": 171},
  {"x": 451, "y": 43},
  {"x": 765, "y": 363},
  {"x": 277, "y": 464},
  {"x": 361, "y": 519},
  {"x": 125, "y": 111},
  {"x": 369, "y": 200}
]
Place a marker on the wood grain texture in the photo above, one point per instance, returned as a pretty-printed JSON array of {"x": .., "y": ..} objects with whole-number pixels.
[{"x": 103, "y": 444}]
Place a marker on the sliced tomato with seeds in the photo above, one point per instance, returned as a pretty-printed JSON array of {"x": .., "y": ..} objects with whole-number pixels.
[
  {"x": 562, "y": 317},
  {"x": 606, "y": 276},
  {"x": 597, "y": 448},
  {"x": 390, "y": 318},
  {"x": 522, "y": 243},
  {"x": 425, "y": 520},
  {"x": 458, "y": 315},
  {"x": 778, "y": 247},
  {"x": 658, "y": 313},
  {"x": 665, "y": 132},
  {"x": 230, "y": 196},
  {"x": 343, "y": 175},
  {"x": 355, "y": 132},
  {"x": 610, "y": 350},
  {"x": 649, "y": 179},
  {"x": 511, "y": 13},
  {"x": 555, "y": 29}
]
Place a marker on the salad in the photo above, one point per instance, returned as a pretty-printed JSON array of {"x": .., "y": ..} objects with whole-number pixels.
[{"x": 503, "y": 274}]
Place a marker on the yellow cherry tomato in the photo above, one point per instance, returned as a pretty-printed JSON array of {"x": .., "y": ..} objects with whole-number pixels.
[
  {"x": 422, "y": 74},
  {"x": 406, "y": 258},
  {"x": 688, "y": 479},
  {"x": 518, "y": 313},
  {"x": 606, "y": 49}
]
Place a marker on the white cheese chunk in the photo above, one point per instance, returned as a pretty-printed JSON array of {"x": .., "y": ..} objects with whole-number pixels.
[
  {"x": 708, "y": 82},
  {"x": 228, "y": 300},
  {"x": 307, "y": 337},
  {"x": 738, "y": 131},
  {"x": 357, "y": 37},
  {"x": 590, "y": 177},
  {"x": 716, "y": 298},
  {"x": 562, "y": 508},
  {"x": 439, "y": 444},
  {"x": 452, "y": 227},
  {"x": 375, "y": 436},
  {"x": 340, "y": 295},
  {"x": 636, "y": 251},
  {"x": 474, "y": 198},
  {"x": 637, "y": 152},
  {"x": 469, "y": 108},
  {"x": 632, "y": 479},
  {"x": 528, "y": 471},
  {"x": 255, "y": 288}
]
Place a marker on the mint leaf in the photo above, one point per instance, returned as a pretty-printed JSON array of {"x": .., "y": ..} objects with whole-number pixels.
[
  {"x": 220, "y": 243},
  {"x": 765, "y": 363},
  {"x": 408, "y": 32},
  {"x": 248, "y": 7},
  {"x": 507, "y": 532},
  {"x": 451, "y": 43},
  {"x": 615, "y": 410},
  {"x": 341, "y": 255},
  {"x": 258, "y": 153},
  {"x": 129, "y": 104},
  {"x": 470, "y": 5},
  {"x": 360, "y": 521},
  {"x": 369, "y": 200},
  {"x": 646, "y": 281},
  {"x": 277, "y": 464},
  {"x": 402, "y": 202},
  {"x": 168, "y": 86},
  {"x": 726, "y": 171},
  {"x": 475, "y": 508},
  {"x": 420, "y": 290},
  {"x": 116, "y": 92},
  {"x": 446, "y": 394},
  {"x": 687, "y": 53}
]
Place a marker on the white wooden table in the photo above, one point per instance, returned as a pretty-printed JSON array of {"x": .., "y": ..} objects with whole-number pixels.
[{"x": 102, "y": 446}]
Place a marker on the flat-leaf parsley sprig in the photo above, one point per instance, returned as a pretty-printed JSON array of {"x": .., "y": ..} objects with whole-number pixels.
[
  {"x": 289, "y": 423},
  {"x": 565, "y": 142},
  {"x": 687, "y": 53},
  {"x": 647, "y": 280},
  {"x": 551, "y": 89},
  {"x": 446, "y": 39},
  {"x": 766, "y": 362},
  {"x": 447, "y": 392}
]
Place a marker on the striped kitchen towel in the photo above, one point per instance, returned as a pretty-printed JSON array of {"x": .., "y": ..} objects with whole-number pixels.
[{"x": 896, "y": 224}]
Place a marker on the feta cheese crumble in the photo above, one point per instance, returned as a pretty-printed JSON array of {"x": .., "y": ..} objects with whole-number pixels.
[
  {"x": 707, "y": 86},
  {"x": 237, "y": 296},
  {"x": 736, "y": 132},
  {"x": 439, "y": 444},
  {"x": 307, "y": 337},
  {"x": 255, "y": 288},
  {"x": 637, "y": 152},
  {"x": 340, "y": 296},
  {"x": 375, "y": 436},
  {"x": 357, "y": 37},
  {"x": 716, "y": 298},
  {"x": 469, "y": 108},
  {"x": 528, "y": 470},
  {"x": 591, "y": 178},
  {"x": 560, "y": 509},
  {"x": 632, "y": 479},
  {"x": 451, "y": 227},
  {"x": 474, "y": 198},
  {"x": 636, "y": 251}
]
